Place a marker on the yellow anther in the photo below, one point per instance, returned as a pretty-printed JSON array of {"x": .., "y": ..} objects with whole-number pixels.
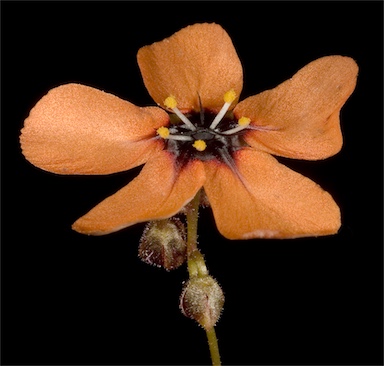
[
  {"x": 244, "y": 121},
  {"x": 242, "y": 124},
  {"x": 200, "y": 145},
  {"x": 170, "y": 102},
  {"x": 229, "y": 96},
  {"x": 163, "y": 132}
]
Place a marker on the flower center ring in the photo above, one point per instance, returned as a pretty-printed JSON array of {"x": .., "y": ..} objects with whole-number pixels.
[{"x": 203, "y": 135}]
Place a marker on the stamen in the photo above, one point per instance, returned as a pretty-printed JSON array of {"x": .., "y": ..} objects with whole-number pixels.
[
  {"x": 171, "y": 103},
  {"x": 229, "y": 97},
  {"x": 242, "y": 124},
  {"x": 199, "y": 145},
  {"x": 164, "y": 133},
  {"x": 244, "y": 121},
  {"x": 180, "y": 137}
]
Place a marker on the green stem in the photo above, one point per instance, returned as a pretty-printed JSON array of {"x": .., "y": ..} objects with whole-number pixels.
[
  {"x": 197, "y": 267},
  {"x": 192, "y": 218},
  {"x": 213, "y": 347}
]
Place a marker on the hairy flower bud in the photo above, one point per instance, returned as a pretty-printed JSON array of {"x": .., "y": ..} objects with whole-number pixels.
[
  {"x": 163, "y": 243},
  {"x": 202, "y": 299}
]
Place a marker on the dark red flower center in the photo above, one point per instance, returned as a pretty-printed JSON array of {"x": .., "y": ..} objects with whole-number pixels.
[
  {"x": 204, "y": 135},
  {"x": 214, "y": 143}
]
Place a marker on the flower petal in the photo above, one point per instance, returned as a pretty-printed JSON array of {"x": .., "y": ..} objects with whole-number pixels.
[
  {"x": 300, "y": 117},
  {"x": 265, "y": 199},
  {"x": 197, "y": 61},
  {"x": 76, "y": 129},
  {"x": 158, "y": 192}
]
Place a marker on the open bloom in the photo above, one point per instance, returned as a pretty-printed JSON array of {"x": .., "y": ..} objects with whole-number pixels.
[{"x": 200, "y": 135}]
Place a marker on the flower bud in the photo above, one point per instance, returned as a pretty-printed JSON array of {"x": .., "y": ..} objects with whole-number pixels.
[
  {"x": 202, "y": 299},
  {"x": 163, "y": 244}
]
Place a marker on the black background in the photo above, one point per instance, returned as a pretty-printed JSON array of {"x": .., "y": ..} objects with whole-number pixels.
[{"x": 72, "y": 299}]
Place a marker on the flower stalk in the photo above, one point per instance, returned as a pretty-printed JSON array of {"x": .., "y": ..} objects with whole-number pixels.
[
  {"x": 192, "y": 218},
  {"x": 201, "y": 285}
]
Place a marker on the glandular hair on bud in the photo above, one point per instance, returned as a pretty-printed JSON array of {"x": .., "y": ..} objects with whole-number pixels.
[
  {"x": 163, "y": 243},
  {"x": 202, "y": 299}
]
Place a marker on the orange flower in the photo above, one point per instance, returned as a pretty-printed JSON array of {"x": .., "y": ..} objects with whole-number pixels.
[{"x": 208, "y": 139}]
